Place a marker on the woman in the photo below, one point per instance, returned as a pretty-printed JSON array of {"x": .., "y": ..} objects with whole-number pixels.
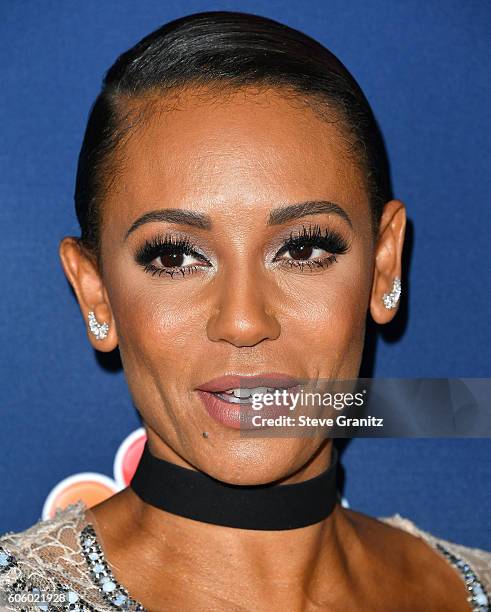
[{"x": 236, "y": 227}]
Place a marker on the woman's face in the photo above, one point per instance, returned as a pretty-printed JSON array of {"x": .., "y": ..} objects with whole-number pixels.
[{"x": 234, "y": 300}]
